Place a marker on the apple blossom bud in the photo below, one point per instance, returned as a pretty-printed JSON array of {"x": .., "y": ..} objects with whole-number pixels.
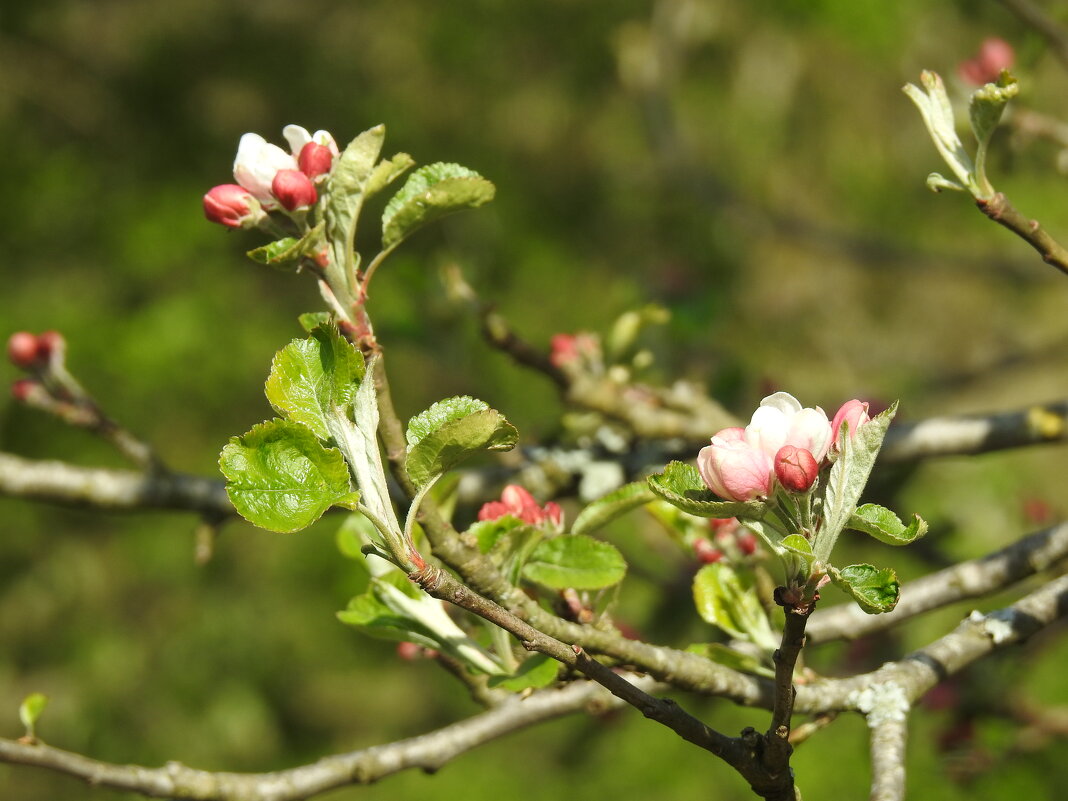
[
  {"x": 293, "y": 189},
  {"x": 50, "y": 344},
  {"x": 853, "y": 412},
  {"x": 409, "y": 651},
  {"x": 230, "y": 205},
  {"x": 706, "y": 552},
  {"x": 747, "y": 543},
  {"x": 22, "y": 349},
  {"x": 315, "y": 159},
  {"x": 24, "y": 389},
  {"x": 796, "y": 468},
  {"x": 995, "y": 55}
]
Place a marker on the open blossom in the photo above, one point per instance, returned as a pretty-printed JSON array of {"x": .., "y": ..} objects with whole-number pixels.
[
  {"x": 739, "y": 464},
  {"x": 854, "y": 413},
  {"x": 520, "y": 504},
  {"x": 257, "y": 163}
]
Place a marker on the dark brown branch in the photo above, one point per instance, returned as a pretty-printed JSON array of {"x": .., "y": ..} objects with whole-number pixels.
[
  {"x": 1000, "y": 210},
  {"x": 971, "y": 579}
]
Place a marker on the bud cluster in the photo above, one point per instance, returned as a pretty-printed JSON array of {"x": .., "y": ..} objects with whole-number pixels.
[
  {"x": 269, "y": 178},
  {"x": 729, "y": 540},
  {"x": 520, "y": 504}
]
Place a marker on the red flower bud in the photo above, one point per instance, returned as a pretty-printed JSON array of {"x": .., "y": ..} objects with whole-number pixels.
[
  {"x": 706, "y": 552},
  {"x": 315, "y": 159},
  {"x": 229, "y": 205},
  {"x": 24, "y": 389},
  {"x": 22, "y": 349},
  {"x": 50, "y": 343},
  {"x": 747, "y": 543},
  {"x": 796, "y": 468},
  {"x": 293, "y": 189}
]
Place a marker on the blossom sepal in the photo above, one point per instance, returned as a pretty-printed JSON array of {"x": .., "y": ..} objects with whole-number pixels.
[
  {"x": 681, "y": 485},
  {"x": 885, "y": 526},
  {"x": 876, "y": 590}
]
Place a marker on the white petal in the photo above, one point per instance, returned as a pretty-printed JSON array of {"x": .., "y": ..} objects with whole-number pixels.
[
  {"x": 783, "y": 401},
  {"x": 297, "y": 136}
]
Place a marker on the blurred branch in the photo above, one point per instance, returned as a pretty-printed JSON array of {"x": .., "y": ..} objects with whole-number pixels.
[
  {"x": 1033, "y": 16},
  {"x": 428, "y": 752},
  {"x": 972, "y": 579},
  {"x": 888, "y": 740},
  {"x": 1000, "y": 210},
  {"x": 102, "y": 488}
]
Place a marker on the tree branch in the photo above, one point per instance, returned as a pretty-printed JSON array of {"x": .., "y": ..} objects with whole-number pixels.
[
  {"x": 888, "y": 740},
  {"x": 428, "y": 752},
  {"x": 971, "y": 579},
  {"x": 1030, "y": 14},
  {"x": 1000, "y": 210}
]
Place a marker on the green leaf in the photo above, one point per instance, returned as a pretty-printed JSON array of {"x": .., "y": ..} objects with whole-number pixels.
[
  {"x": 281, "y": 252},
  {"x": 847, "y": 478},
  {"x": 725, "y": 655},
  {"x": 536, "y": 671},
  {"x": 313, "y": 380},
  {"x": 886, "y": 526},
  {"x": 447, "y": 433},
  {"x": 281, "y": 478},
  {"x": 988, "y": 104},
  {"x": 681, "y": 485},
  {"x": 876, "y": 590},
  {"x": 489, "y": 532},
  {"x": 346, "y": 191},
  {"x": 375, "y": 619},
  {"x": 608, "y": 507},
  {"x": 387, "y": 171},
  {"x": 30, "y": 711},
  {"x": 729, "y": 602},
  {"x": 309, "y": 321},
  {"x": 576, "y": 561},
  {"x": 430, "y": 193}
]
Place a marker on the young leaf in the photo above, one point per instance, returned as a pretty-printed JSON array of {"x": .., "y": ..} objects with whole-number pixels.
[
  {"x": 608, "y": 507},
  {"x": 576, "y": 561},
  {"x": 875, "y": 590},
  {"x": 681, "y": 485},
  {"x": 489, "y": 532},
  {"x": 280, "y": 253},
  {"x": 886, "y": 526},
  {"x": 346, "y": 190},
  {"x": 30, "y": 711},
  {"x": 312, "y": 378},
  {"x": 450, "y": 431},
  {"x": 430, "y": 193},
  {"x": 387, "y": 171},
  {"x": 309, "y": 321},
  {"x": 279, "y": 476},
  {"x": 536, "y": 671},
  {"x": 847, "y": 479},
  {"x": 729, "y": 603}
]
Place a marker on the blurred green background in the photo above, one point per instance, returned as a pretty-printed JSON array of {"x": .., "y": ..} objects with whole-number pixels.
[{"x": 752, "y": 166}]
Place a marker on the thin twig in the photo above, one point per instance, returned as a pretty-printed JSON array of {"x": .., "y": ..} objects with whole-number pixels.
[{"x": 1000, "y": 210}]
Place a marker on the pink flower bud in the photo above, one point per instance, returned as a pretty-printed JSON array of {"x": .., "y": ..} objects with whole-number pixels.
[
  {"x": 747, "y": 543},
  {"x": 25, "y": 389},
  {"x": 995, "y": 55},
  {"x": 22, "y": 349},
  {"x": 315, "y": 159},
  {"x": 294, "y": 189},
  {"x": 854, "y": 413},
  {"x": 520, "y": 504},
  {"x": 796, "y": 468},
  {"x": 706, "y": 552},
  {"x": 50, "y": 344},
  {"x": 230, "y": 205}
]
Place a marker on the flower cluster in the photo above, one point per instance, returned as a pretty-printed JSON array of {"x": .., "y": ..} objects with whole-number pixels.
[
  {"x": 783, "y": 445},
  {"x": 520, "y": 504},
  {"x": 269, "y": 178}
]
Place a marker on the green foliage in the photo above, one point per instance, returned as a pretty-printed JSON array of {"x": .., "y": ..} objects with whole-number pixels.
[
  {"x": 281, "y": 478},
  {"x": 886, "y": 526},
  {"x": 314, "y": 380},
  {"x": 346, "y": 190},
  {"x": 681, "y": 485},
  {"x": 875, "y": 590},
  {"x": 607, "y": 508},
  {"x": 30, "y": 711},
  {"x": 449, "y": 432},
  {"x": 285, "y": 252},
  {"x": 432, "y": 192},
  {"x": 727, "y": 600},
  {"x": 577, "y": 562},
  {"x": 387, "y": 171}
]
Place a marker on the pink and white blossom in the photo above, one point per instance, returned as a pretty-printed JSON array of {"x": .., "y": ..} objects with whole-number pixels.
[
  {"x": 257, "y": 163},
  {"x": 520, "y": 504},
  {"x": 735, "y": 469},
  {"x": 298, "y": 138}
]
